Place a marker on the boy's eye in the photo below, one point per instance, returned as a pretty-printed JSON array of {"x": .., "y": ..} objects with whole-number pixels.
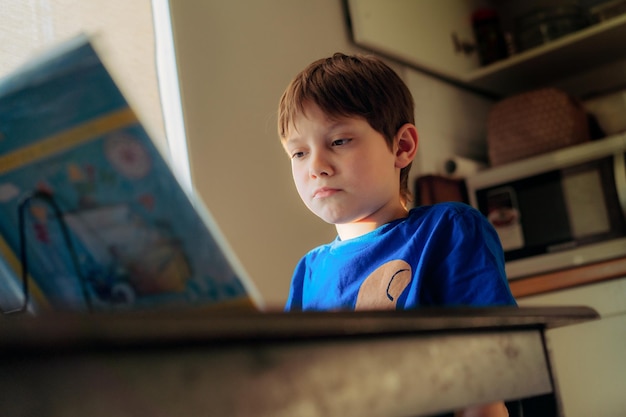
[
  {"x": 297, "y": 155},
  {"x": 340, "y": 142}
]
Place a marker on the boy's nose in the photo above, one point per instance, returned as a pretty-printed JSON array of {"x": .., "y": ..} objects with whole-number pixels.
[{"x": 319, "y": 165}]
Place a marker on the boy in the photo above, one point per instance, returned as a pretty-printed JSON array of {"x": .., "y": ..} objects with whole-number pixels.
[{"x": 347, "y": 123}]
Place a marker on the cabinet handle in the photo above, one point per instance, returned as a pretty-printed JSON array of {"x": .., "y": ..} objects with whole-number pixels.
[{"x": 461, "y": 46}]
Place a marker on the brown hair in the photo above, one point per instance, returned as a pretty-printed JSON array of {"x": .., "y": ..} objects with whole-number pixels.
[{"x": 352, "y": 85}]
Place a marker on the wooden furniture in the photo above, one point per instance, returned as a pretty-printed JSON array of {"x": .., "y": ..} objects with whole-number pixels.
[
  {"x": 410, "y": 363},
  {"x": 568, "y": 278}
]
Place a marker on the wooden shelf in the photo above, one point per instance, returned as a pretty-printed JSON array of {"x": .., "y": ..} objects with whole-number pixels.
[
  {"x": 426, "y": 36},
  {"x": 594, "y": 46}
]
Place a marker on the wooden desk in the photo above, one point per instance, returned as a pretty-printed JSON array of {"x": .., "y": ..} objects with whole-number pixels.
[{"x": 409, "y": 363}]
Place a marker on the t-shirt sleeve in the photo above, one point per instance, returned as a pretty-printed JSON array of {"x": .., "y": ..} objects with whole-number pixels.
[
  {"x": 294, "y": 301},
  {"x": 466, "y": 263}
]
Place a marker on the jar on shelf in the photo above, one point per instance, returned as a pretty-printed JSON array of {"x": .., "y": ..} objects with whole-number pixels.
[
  {"x": 547, "y": 24},
  {"x": 490, "y": 40}
]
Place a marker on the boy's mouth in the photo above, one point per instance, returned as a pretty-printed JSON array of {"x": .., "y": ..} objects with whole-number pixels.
[{"x": 324, "y": 192}]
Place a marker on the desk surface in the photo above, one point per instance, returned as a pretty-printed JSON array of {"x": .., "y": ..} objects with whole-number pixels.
[
  {"x": 176, "y": 328},
  {"x": 231, "y": 364}
]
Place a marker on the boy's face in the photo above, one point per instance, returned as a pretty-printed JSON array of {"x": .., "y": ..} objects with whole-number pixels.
[{"x": 343, "y": 169}]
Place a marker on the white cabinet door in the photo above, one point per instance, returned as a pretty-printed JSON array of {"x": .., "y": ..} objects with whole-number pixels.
[
  {"x": 419, "y": 32},
  {"x": 589, "y": 359},
  {"x": 589, "y": 365}
]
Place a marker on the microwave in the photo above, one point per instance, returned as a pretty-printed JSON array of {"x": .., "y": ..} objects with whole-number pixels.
[{"x": 557, "y": 210}]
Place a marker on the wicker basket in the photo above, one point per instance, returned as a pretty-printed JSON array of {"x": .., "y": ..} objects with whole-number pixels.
[{"x": 535, "y": 122}]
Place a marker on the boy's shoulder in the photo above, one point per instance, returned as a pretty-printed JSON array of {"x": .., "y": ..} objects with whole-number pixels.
[
  {"x": 443, "y": 209},
  {"x": 446, "y": 218}
]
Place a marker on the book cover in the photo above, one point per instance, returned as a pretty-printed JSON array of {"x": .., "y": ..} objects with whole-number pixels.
[
  {"x": 12, "y": 297},
  {"x": 106, "y": 224}
]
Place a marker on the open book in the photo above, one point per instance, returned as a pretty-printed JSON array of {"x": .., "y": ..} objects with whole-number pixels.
[{"x": 105, "y": 223}]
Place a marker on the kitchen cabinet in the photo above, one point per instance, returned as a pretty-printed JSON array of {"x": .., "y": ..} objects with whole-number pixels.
[
  {"x": 426, "y": 36},
  {"x": 417, "y": 33},
  {"x": 588, "y": 359}
]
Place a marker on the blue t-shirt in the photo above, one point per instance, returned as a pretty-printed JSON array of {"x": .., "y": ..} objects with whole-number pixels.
[{"x": 447, "y": 254}]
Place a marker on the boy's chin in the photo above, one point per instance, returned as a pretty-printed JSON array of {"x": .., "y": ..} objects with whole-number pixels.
[
  {"x": 340, "y": 214},
  {"x": 333, "y": 218},
  {"x": 331, "y": 221}
]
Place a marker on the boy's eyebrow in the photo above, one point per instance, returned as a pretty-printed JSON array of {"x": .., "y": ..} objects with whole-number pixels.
[
  {"x": 336, "y": 124},
  {"x": 291, "y": 139},
  {"x": 291, "y": 143}
]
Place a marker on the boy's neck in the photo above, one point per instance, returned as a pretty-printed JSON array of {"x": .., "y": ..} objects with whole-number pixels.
[{"x": 359, "y": 228}]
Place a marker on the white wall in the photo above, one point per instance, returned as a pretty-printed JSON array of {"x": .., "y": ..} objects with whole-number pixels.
[
  {"x": 450, "y": 121},
  {"x": 124, "y": 36},
  {"x": 235, "y": 58}
]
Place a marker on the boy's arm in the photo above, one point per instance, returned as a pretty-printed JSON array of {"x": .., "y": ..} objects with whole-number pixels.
[
  {"x": 488, "y": 410},
  {"x": 484, "y": 283},
  {"x": 468, "y": 263}
]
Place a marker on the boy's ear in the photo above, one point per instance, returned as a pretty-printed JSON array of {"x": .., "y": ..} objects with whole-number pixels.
[{"x": 406, "y": 145}]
